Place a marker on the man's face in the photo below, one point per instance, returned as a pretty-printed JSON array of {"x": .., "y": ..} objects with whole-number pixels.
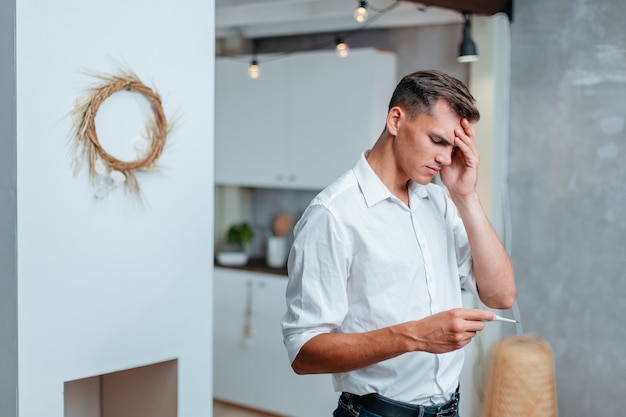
[{"x": 424, "y": 145}]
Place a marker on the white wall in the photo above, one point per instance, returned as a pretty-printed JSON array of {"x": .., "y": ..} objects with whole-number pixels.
[
  {"x": 111, "y": 284},
  {"x": 8, "y": 214}
]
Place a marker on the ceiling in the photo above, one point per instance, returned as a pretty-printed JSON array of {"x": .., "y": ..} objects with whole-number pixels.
[{"x": 267, "y": 18}]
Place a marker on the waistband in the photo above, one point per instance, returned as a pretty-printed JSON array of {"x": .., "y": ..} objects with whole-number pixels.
[{"x": 387, "y": 407}]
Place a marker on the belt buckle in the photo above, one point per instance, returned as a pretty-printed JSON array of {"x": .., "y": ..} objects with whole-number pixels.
[
  {"x": 448, "y": 412},
  {"x": 451, "y": 410}
]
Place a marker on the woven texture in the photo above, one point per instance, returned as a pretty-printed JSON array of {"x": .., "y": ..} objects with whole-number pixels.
[
  {"x": 520, "y": 379},
  {"x": 85, "y": 135}
]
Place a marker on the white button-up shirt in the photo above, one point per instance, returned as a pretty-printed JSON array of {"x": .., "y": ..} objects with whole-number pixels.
[{"x": 362, "y": 260}]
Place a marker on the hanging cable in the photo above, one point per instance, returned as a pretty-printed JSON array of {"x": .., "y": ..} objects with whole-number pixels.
[{"x": 254, "y": 68}]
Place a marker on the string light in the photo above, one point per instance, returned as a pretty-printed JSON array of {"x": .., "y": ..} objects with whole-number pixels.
[
  {"x": 467, "y": 48},
  {"x": 360, "y": 14},
  {"x": 342, "y": 48},
  {"x": 254, "y": 71}
]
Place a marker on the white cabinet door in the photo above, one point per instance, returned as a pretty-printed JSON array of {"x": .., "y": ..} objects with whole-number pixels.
[
  {"x": 304, "y": 121},
  {"x": 251, "y": 366},
  {"x": 339, "y": 113},
  {"x": 249, "y": 118}
]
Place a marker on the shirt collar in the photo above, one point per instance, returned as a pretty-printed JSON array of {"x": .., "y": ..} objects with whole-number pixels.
[
  {"x": 418, "y": 190},
  {"x": 373, "y": 188}
]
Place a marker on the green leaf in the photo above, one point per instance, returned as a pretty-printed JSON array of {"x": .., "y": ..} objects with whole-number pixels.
[{"x": 239, "y": 233}]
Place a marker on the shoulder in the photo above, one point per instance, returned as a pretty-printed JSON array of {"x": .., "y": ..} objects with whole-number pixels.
[
  {"x": 330, "y": 207},
  {"x": 334, "y": 196}
]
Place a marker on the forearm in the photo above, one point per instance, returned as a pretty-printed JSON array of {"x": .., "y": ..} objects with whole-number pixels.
[
  {"x": 492, "y": 266},
  {"x": 439, "y": 333},
  {"x": 338, "y": 352}
]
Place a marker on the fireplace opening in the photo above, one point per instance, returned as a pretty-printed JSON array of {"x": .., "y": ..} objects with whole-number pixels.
[{"x": 145, "y": 391}]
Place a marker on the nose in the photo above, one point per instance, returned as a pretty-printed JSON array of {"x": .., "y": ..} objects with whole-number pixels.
[{"x": 444, "y": 157}]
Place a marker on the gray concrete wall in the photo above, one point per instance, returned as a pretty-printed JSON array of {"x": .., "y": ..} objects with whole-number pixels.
[
  {"x": 8, "y": 214},
  {"x": 568, "y": 192}
]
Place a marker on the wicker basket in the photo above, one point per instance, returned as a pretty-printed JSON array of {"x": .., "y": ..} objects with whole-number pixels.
[{"x": 520, "y": 379}]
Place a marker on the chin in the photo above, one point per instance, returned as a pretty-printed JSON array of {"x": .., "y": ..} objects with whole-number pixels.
[{"x": 423, "y": 181}]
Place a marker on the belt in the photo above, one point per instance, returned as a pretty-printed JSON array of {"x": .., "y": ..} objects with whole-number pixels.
[{"x": 386, "y": 407}]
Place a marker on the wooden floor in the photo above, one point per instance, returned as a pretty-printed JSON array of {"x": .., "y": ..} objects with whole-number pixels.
[{"x": 224, "y": 409}]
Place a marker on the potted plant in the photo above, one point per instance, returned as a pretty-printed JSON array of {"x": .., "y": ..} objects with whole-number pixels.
[{"x": 234, "y": 251}]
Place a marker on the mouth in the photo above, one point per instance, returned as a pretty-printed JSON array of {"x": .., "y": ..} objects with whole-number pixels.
[{"x": 433, "y": 170}]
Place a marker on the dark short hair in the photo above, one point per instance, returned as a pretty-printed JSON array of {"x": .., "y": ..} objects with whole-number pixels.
[{"x": 418, "y": 92}]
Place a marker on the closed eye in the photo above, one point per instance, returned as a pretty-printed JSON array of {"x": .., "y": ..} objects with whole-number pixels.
[
  {"x": 440, "y": 140},
  {"x": 435, "y": 139}
]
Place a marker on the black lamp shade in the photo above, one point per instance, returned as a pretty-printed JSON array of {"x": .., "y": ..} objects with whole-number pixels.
[{"x": 467, "y": 47}]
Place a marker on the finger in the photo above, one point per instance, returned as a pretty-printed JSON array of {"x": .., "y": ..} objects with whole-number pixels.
[
  {"x": 474, "y": 327},
  {"x": 468, "y": 324},
  {"x": 466, "y": 133},
  {"x": 466, "y": 339},
  {"x": 470, "y": 336},
  {"x": 477, "y": 314},
  {"x": 459, "y": 143},
  {"x": 463, "y": 136},
  {"x": 468, "y": 128},
  {"x": 464, "y": 145}
]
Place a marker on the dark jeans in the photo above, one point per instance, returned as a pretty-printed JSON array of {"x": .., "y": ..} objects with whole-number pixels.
[{"x": 345, "y": 408}]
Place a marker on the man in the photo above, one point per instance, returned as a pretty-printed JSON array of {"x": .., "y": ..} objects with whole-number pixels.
[{"x": 381, "y": 255}]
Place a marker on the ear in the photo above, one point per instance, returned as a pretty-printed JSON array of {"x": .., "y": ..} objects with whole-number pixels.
[{"x": 393, "y": 120}]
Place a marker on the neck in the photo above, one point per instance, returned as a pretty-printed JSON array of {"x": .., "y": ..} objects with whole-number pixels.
[{"x": 382, "y": 161}]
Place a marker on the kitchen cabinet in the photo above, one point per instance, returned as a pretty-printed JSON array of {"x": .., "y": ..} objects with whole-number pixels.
[
  {"x": 304, "y": 121},
  {"x": 251, "y": 367},
  {"x": 248, "y": 116}
]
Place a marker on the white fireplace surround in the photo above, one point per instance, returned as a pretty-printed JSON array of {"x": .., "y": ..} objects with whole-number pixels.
[{"x": 103, "y": 286}]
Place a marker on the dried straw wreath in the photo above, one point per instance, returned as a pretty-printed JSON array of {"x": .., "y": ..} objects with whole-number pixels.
[{"x": 106, "y": 171}]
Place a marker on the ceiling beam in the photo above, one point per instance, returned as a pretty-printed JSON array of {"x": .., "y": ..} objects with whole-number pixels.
[{"x": 481, "y": 7}]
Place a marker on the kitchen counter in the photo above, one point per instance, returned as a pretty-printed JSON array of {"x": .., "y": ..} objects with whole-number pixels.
[
  {"x": 250, "y": 363},
  {"x": 256, "y": 265}
]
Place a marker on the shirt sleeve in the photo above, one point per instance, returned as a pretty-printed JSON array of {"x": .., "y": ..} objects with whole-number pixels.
[
  {"x": 458, "y": 235},
  {"x": 463, "y": 252},
  {"x": 318, "y": 267}
]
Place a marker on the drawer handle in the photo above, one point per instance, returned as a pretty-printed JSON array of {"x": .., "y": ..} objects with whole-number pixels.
[{"x": 246, "y": 340}]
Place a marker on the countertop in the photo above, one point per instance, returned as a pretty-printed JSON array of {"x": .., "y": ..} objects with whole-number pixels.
[{"x": 256, "y": 265}]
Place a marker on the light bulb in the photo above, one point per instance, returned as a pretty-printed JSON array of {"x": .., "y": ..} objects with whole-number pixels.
[
  {"x": 342, "y": 49},
  {"x": 360, "y": 14},
  {"x": 463, "y": 59},
  {"x": 254, "y": 70}
]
